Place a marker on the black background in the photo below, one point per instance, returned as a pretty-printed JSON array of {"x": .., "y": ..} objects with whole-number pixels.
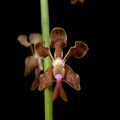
[{"x": 82, "y": 22}]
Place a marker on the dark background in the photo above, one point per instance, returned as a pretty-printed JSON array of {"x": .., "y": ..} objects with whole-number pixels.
[{"x": 82, "y": 22}]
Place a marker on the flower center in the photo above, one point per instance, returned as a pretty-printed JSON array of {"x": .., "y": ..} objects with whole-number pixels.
[{"x": 58, "y": 63}]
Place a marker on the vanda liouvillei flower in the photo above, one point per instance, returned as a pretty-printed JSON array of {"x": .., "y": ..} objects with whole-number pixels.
[
  {"x": 75, "y": 1},
  {"x": 59, "y": 71},
  {"x": 34, "y": 61}
]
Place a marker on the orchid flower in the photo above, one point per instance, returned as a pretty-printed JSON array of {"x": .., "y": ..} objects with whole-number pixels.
[
  {"x": 58, "y": 71},
  {"x": 34, "y": 61},
  {"x": 75, "y": 1}
]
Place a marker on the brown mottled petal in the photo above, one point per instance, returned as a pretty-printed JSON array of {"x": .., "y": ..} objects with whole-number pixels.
[
  {"x": 71, "y": 78},
  {"x": 34, "y": 38},
  {"x": 46, "y": 78},
  {"x": 23, "y": 40},
  {"x": 30, "y": 64},
  {"x": 42, "y": 50},
  {"x": 78, "y": 51},
  {"x": 36, "y": 82},
  {"x": 58, "y": 40}
]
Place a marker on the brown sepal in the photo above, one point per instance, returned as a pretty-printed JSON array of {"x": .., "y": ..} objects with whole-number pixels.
[
  {"x": 58, "y": 40},
  {"x": 46, "y": 78},
  {"x": 59, "y": 91},
  {"x": 71, "y": 78}
]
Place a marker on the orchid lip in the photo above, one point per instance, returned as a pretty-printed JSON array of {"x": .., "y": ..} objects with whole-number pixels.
[{"x": 58, "y": 77}]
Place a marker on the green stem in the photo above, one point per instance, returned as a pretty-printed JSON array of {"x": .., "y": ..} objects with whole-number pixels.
[{"x": 45, "y": 34}]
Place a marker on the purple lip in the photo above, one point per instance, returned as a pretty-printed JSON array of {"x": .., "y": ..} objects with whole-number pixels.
[{"x": 58, "y": 77}]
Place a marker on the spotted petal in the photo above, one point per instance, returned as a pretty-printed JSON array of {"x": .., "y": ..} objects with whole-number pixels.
[
  {"x": 23, "y": 40},
  {"x": 34, "y": 38},
  {"x": 58, "y": 40},
  {"x": 42, "y": 50},
  {"x": 78, "y": 51},
  {"x": 71, "y": 78},
  {"x": 30, "y": 64},
  {"x": 46, "y": 78}
]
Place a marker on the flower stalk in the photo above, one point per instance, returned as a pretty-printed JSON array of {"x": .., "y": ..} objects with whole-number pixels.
[{"x": 45, "y": 35}]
